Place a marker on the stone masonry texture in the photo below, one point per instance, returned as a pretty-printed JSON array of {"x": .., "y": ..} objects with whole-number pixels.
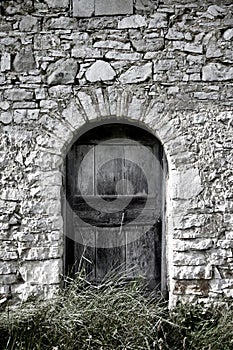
[{"x": 165, "y": 65}]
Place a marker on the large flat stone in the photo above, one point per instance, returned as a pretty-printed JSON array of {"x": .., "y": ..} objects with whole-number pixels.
[
  {"x": 57, "y": 4},
  {"x": 18, "y": 94},
  {"x": 41, "y": 272},
  {"x": 83, "y": 8},
  {"x": 113, "y": 7},
  {"x": 187, "y": 184},
  {"x": 136, "y": 74},
  {"x": 135, "y": 21},
  {"x": 217, "y": 72}
]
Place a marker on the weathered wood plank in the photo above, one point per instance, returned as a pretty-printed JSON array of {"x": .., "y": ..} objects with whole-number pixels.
[
  {"x": 144, "y": 254},
  {"x": 83, "y": 170},
  {"x": 84, "y": 251},
  {"x": 108, "y": 259},
  {"x": 143, "y": 170},
  {"x": 108, "y": 169},
  {"x": 134, "y": 211}
]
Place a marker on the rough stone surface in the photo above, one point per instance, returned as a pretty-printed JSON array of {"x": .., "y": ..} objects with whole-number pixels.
[
  {"x": 100, "y": 71},
  {"x": 165, "y": 65},
  {"x": 29, "y": 24},
  {"x": 136, "y": 74},
  {"x": 5, "y": 117},
  {"x": 187, "y": 184},
  {"x": 228, "y": 34},
  {"x": 5, "y": 62},
  {"x": 217, "y": 72},
  {"x": 24, "y": 61},
  {"x": 63, "y": 71},
  {"x": 136, "y": 21}
]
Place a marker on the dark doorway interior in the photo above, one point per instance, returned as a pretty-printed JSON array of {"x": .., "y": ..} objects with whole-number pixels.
[{"x": 114, "y": 203}]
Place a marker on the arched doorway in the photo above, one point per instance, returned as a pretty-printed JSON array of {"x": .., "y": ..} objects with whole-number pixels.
[{"x": 115, "y": 203}]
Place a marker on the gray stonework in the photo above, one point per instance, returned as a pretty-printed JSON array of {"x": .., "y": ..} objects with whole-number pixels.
[{"x": 164, "y": 65}]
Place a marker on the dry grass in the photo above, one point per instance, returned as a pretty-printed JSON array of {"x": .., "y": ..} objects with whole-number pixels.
[{"x": 114, "y": 315}]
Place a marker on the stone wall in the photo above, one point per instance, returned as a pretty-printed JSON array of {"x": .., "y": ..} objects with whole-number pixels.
[{"x": 166, "y": 65}]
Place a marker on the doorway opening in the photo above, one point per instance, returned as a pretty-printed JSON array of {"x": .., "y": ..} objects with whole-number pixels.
[{"x": 115, "y": 207}]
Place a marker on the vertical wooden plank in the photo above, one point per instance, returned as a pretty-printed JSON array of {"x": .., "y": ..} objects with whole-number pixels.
[
  {"x": 69, "y": 241},
  {"x": 83, "y": 170},
  {"x": 70, "y": 179},
  {"x": 144, "y": 254},
  {"x": 113, "y": 255},
  {"x": 143, "y": 169},
  {"x": 108, "y": 169},
  {"x": 84, "y": 250}
]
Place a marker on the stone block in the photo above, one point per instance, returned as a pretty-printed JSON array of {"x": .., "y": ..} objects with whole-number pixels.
[
  {"x": 159, "y": 20},
  {"x": 42, "y": 253},
  {"x": 5, "y": 62},
  {"x": 61, "y": 72},
  {"x": 85, "y": 52},
  {"x": 174, "y": 34},
  {"x": 7, "y": 268},
  {"x": 28, "y": 24},
  {"x": 8, "y": 254},
  {"x": 100, "y": 71},
  {"x": 189, "y": 258},
  {"x": 46, "y": 41},
  {"x": 187, "y": 184},
  {"x": 41, "y": 272},
  {"x": 193, "y": 244},
  {"x": 123, "y": 56},
  {"x": 83, "y": 8},
  {"x": 192, "y": 272},
  {"x": 201, "y": 95},
  {"x": 112, "y": 44},
  {"x": 165, "y": 65},
  {"x": 216, "y": 11},
  {"x": 196, "y": 287},
  {"x": 5, "y": 117},
  {"x": 113, "y": 7},
  {"x": 57, "y": 4},
  {"x": 86, "y": 101},
  {"x": 136, "y": 74},
  {"x": 24, "y": 61},
  {"x": 4, "y": 105},
  {"x": 18, "y": 95},
  {"x": 61, "y": 23},
  {"x": 228, "y": 34},
  {"x": 73, "y": 115},
  {"x": 135, "y": 21},
  {"x": 147, "y": 45},
  {"x": 217, "y": 72},
  {"x": 193, "y": 47}
]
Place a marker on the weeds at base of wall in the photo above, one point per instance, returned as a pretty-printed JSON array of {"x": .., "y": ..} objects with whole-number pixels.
[{"x": 114, "y": 315}]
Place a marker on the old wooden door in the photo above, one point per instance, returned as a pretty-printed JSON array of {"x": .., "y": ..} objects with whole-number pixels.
[{"x": 114, "y": 203}]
